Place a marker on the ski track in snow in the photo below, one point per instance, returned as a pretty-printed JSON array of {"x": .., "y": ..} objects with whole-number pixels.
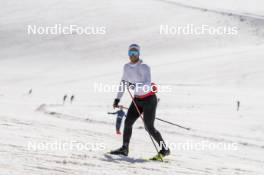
[
  {"x": 101, "y": 163},
  {"x": 222, "y": 11}
]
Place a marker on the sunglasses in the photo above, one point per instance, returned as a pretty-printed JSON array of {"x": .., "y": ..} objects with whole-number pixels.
[{"x": 133, "y": 53}]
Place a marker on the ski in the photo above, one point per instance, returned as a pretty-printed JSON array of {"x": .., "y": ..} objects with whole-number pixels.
[{"x": 157, "y": 158}]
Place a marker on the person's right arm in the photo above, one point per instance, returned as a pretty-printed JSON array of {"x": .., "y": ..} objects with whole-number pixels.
[{"x": 121, "y": 88}]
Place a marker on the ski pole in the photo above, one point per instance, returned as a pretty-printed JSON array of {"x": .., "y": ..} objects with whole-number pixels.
[
  {"x": 173, "y": 124},
  {"x": 142, "y": 120},
  {"x": 163, "y": 120}
]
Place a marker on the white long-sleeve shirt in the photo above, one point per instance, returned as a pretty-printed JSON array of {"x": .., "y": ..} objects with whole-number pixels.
[{"x": 137, "y": 74}]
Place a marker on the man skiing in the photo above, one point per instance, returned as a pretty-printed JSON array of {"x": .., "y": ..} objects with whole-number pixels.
[
  {"x": 138, "y": 74},
  {"x": 120, "y": 114}
]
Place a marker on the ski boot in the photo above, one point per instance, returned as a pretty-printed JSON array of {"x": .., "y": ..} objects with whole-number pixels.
[
  {"x": 120, "y": 151},
  {"x": 162, "y": 153}
]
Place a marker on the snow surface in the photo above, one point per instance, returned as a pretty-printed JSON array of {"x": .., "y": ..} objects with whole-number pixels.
[{"x": 208, "y": 74}]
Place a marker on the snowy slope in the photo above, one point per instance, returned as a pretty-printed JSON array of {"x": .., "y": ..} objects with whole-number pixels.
[
  {"x": 247, "y": 7},
  {"x": 208, "y": 74}
]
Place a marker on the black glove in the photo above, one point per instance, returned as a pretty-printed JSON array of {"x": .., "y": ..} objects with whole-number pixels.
[
  {"x": 131, "y": 86},
  {"x": 115, "y": 104}
]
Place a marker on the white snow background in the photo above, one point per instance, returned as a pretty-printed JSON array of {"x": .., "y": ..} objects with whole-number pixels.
[{"x": 207, "y": 73}]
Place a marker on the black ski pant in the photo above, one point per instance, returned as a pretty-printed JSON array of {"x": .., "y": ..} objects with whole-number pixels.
[{"x": 148, "y": 106}]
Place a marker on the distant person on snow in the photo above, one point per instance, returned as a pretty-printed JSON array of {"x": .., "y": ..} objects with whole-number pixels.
[
  {"x": 238, "y": 105},
  {"x": 64, "y": 98},
  {"x": 138, "y": 74},
  {"x": 120, "y": 114},
  {"x": 30, "y": 92},
  {"x": 72, "y": 98}
]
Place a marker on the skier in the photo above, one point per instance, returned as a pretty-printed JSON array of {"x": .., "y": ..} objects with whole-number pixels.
[
  {"x": 30, "y": 92},
  {"x": 138, "y": 74},
  {"x": 238, "y": 105},
  {"x": 72, "y": 98},
  {"x": 64, "y": 98},
  {"x": 120, "y": 114}
]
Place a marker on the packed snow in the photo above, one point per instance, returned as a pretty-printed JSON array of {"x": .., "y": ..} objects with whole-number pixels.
[{"x": 207, "y": 74}]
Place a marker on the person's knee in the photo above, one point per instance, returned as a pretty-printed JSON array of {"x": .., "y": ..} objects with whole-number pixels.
[
  {"x": 128, "y": 123},
  {"x": 151, "y": 129}
]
